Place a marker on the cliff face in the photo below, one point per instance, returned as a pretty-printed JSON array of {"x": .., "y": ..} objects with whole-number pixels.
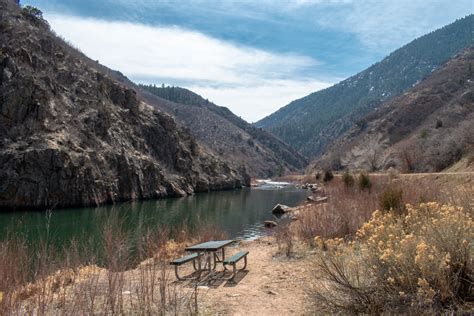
[
  {"x": 71, "y": 135},
  {"x": 230, "y": 137}
]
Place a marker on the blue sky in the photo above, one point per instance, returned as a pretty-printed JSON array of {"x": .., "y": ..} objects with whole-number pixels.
[{"x": 251, "y": 56}]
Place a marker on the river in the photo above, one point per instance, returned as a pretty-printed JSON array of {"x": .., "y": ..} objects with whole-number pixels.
[{"x": 239, "y": 213}]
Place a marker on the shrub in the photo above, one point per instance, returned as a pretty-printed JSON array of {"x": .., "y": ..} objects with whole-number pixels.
[
  {"x": 284, "y": 239},
  {"x": 348, "y": 178},
  {"x": 33, "y": 11},
  {"x": 364, "y": 181},
  {"x": 328, "y": 176},
  {"x": 419, "y": 262},
  {"x": 424, "y": 133},
  {"x": 391, "y": 199},
  {"x": 318, "y": 176}
]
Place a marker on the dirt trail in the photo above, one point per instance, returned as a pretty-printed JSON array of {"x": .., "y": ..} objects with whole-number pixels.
[{"x": 272, "y": 284}]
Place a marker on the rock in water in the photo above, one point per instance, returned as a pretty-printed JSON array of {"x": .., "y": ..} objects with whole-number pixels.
[
  {"x": 280, "y": 209},
  {"x": 70, "y": 135}
]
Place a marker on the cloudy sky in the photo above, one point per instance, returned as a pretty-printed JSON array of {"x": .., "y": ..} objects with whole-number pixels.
[{"x": 251, "y": 56}]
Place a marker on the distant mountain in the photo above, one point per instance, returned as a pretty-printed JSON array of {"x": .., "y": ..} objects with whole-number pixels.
[
  {"x": 73, "y": 133},
  {"x": 232, "y": 138},
  {"x": 312, "y": 123},
  {"x": 428, "y": 128}
]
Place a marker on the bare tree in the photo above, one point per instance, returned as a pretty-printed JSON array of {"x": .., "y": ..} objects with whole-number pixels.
[{"x": 373, "y": 155}]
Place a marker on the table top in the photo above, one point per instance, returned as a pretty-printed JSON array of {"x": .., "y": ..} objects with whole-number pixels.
[{"x": 212, "y": 245}]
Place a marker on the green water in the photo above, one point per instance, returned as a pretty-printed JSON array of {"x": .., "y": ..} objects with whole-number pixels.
[{"x": 239, "y": 213}]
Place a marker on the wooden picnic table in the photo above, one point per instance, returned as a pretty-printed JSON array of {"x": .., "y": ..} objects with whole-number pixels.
[{"x": 211, "y": 249}]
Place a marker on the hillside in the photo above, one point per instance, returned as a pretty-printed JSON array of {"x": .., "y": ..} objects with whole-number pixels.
[
  {"x": 427, "y": 129},
  {"x": 72, "y": 135},
  {"x": 237, "y": 141},
  {"x": 311, "y": 123}
]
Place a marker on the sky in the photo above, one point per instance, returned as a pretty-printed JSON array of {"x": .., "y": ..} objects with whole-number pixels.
[{"x": 250, "y": 56}]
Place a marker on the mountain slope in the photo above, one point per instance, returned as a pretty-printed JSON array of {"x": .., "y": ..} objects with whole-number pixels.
[
  {"x": 258, "y": 151},
  {"x": 71, "y": 135},
  {"x": 313, "y": 122},
  {"x": 428, "y": 128}
]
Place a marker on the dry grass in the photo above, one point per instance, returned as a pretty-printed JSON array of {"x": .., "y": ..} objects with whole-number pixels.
[
  {"x": 132, "y": 275},
  {"x": 349, "y": 207},
  {"x": 284, "y": 238},
  {"x": 404, "y": 259}
]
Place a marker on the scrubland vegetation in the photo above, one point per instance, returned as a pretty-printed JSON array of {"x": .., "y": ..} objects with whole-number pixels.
[
  {"x": 399, "y": 245},
  {"x": 402, "y": 244}
]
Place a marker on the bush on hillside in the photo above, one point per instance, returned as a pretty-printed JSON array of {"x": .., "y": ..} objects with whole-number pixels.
[
  {"x": 419, "y": 262},
  {"x": 348, "y": 178},
  {"x": 364, "y": 181},
  {"x": 328, "y": 176},
  {"x": 391, "y": 199}
]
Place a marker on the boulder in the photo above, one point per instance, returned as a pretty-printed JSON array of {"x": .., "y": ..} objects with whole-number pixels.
[
  {"x": 315, "y": 189},
  {"x": 280, "y": 209}
]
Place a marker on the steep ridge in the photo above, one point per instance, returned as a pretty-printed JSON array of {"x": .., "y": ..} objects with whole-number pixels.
[
  {"x": 252, "y": 151},
  {"x": 71, "y": 135},
  {"x": 427, "y": 129},
  {"x": 311, "y": 123},
  {"x": 244, "y": 145}
]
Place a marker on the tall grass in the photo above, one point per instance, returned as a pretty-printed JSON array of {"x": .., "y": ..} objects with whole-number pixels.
[
  {"x": 412, "y": 256},
  {"x": 349, "y": 207},
  {"x": 120, "y": 274}
]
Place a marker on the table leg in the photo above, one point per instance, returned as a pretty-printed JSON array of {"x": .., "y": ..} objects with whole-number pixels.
[
  {"x": 199, "y": 264},
  {"x": 209, "y": 262},
  {"x": 223, "y": 259},
  {"x": 216, "y": 258}
]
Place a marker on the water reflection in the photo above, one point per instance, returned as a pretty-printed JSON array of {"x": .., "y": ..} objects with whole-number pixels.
[{"x": 239, "y": 213}]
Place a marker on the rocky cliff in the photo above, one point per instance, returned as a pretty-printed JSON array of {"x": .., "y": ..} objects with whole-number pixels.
[
  {"x": 230, "y": 137},
  {"x": 71, "y": 135}
]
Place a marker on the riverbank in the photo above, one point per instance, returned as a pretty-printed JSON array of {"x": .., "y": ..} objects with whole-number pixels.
[
  {"x": 283, "y": 267},
  {"x": 271, "y": 286}
]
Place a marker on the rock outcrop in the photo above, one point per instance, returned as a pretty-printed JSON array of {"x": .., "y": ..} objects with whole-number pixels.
[
  {"x": 70, "y": 135},
  {"x": 262, "y": 154}
]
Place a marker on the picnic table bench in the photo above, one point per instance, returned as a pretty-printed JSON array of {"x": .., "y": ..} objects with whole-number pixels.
[
  {"x": 180, "y": 261},
  {"x": 233, "y": 261}
]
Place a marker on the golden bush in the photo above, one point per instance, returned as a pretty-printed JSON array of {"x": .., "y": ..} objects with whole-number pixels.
[{"x": 421, "y": 259}]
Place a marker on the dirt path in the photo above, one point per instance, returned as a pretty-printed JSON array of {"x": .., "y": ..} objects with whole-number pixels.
[{"x": 272, "y": 285}]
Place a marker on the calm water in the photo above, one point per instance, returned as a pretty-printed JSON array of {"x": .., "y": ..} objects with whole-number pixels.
[{"x": 239, "y": 213}]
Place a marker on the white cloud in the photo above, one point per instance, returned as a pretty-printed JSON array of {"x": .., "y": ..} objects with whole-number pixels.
[
  {"x": 254, "y": 103},
  {"x": 385, "y": 25},
  {"x": 252, "y": 82}
]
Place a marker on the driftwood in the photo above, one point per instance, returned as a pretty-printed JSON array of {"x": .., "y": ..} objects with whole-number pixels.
[
  {"x": 317, "y": 200},
  {"x": 270, "y": 224}
]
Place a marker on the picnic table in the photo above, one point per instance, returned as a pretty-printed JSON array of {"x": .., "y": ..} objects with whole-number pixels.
[
  {"x": 214, "y": 251},
  {"x": 211, "y": 249}
]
